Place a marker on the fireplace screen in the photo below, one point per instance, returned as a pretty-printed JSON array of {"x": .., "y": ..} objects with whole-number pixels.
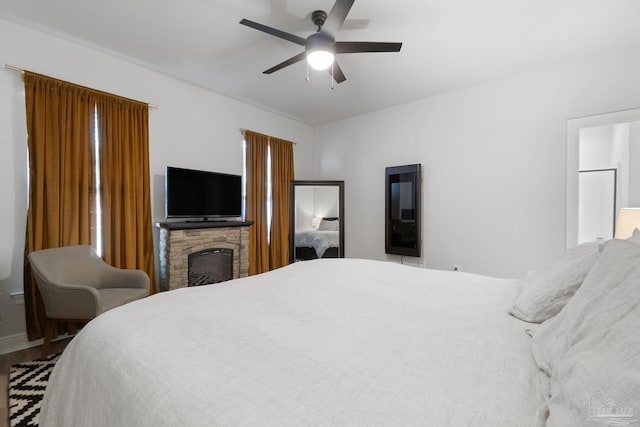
[{"x": 210, "y": 266}]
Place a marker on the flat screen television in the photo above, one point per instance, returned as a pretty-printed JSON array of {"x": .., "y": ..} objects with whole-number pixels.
[{"x": 202, "y": 195}]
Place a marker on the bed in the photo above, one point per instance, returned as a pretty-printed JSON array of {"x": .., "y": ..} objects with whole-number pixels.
[
  {"x": 336, "y": 342},
  {"x": 323, "y": 242}
]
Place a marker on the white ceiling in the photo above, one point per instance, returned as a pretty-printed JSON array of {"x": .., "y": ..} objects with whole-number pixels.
[{"x": 447, "y": 44}]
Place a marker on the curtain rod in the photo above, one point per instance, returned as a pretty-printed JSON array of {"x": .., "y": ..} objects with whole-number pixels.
[
  {"x": 21, "y": 71},
  {"x": 242, "y": 131}
]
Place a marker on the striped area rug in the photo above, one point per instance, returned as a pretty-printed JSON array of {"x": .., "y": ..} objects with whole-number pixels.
[{"x": 27, "y": 382}]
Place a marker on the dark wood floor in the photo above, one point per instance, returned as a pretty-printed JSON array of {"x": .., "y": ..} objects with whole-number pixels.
[{"x": 7, "y": 360}]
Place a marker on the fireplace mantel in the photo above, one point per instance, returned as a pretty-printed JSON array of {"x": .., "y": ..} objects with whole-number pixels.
[{"x": 179, "y": 239}]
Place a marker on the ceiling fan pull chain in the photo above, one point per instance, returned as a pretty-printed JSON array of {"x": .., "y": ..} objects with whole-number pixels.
[
  {"x": 307, "y": 70},
  {"x": 332, "y": 79}
]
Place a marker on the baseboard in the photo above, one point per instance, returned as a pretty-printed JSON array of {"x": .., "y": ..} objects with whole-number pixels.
[{"x": 16, "y": 342}]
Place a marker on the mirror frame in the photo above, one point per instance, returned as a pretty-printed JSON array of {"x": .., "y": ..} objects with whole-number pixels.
[{"x": 292, "y": 212}]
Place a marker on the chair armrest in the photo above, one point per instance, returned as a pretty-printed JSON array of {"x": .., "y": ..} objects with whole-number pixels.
[
  {"x": 113, "y": 277},
  {"x": 67, "y": 301}
]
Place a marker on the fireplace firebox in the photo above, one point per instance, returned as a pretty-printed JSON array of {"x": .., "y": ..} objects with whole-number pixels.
[{"x": 210, "y": 266}]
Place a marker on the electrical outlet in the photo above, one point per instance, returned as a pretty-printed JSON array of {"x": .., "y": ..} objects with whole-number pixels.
[{"x": 456, "y": 267}]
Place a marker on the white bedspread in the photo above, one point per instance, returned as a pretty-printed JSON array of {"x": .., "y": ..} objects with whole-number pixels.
[
  {"x": 331, "y": 342},
  {"x": 320, "y": 240}
]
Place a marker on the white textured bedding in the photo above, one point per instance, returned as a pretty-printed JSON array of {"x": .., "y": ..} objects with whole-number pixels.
[
  {"x": 320, "y": 240},
  {"x": 335, "y": 342}
]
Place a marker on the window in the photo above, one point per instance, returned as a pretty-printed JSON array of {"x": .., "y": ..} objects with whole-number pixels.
[
  {"x": 97, "y": 226},
  {"x": 269, "y": 201}
]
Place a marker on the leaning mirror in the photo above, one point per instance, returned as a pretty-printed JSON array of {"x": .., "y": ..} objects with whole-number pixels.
[{"x": 316, "y": 220}]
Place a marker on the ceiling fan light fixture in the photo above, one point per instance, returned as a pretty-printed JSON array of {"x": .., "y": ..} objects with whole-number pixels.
[
  {"x": 320, "y": 51},
  {"x": 320, "y": 58}
]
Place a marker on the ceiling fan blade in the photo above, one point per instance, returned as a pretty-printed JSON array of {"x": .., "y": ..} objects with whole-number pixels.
[
  {"x": 299, "y": 57},
  {"x": 358, "y": 47},
  {"x": 338, "y": 75},
  {"x": 337, "y": 16},
  {"x": 275, "y": 32}
]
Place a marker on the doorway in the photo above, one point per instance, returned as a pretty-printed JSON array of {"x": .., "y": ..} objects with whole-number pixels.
[{"x": 608, "y": 141}]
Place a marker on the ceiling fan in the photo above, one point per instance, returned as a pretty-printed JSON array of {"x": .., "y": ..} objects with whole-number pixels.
[{"x": 321, "y": 46}]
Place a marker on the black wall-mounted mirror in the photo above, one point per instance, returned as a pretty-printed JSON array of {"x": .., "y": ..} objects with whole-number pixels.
[
  {"x": 316, "y": 227},
  {"x": 402, "y": 210}
]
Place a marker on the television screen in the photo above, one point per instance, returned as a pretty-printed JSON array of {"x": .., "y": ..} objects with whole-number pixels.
[{"x": 201, "y": 194}]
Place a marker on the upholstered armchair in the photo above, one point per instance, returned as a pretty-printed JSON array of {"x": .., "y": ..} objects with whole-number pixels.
[{"x": 76, "y": 285}]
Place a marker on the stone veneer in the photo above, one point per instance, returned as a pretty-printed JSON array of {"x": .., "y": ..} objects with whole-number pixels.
[{"x": 178, "y": 240}]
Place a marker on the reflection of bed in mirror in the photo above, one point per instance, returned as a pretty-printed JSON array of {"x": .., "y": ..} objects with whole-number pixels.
[{"x": 320, "y": 242}]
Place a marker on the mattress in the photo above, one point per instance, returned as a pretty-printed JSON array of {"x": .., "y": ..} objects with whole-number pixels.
[{"x": 326, "y": 342}]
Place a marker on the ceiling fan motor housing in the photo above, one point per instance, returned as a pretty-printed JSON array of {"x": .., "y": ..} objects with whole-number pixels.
[
  {"x": 318, "y": 17},
  {"x": 319, "y": 40}
]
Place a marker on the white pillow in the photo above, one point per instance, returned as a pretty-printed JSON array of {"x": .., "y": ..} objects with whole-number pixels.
[
  {"x": 601, "y": 364},
  {"x": 547, "y": 290},
  {"x": 594, "y": 307},
  {"x": 328, "y": 225}
]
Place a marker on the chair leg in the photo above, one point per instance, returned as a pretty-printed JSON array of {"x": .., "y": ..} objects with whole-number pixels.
[
  {"x": 49, "y": 332},
  {"x": 72, "y": 328}
]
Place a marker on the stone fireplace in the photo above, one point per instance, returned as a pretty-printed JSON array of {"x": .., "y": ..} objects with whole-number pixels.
[{"x": 218, "y": 250}]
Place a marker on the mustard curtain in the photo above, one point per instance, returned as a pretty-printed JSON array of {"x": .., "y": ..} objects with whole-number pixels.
[
  {"x": 61, "y": 183},
  {"x": 281, "y": 176},
  {"x": 125, "y": 184},
  {"x": 256, "y": 206}
]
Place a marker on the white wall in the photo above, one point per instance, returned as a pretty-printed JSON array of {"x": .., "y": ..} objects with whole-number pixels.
[
  {"x": 192, "y": 128},
  {"x": 604, "y": 147},
  {"x": 634, "y": 164},
  {"x": 494, "y": 161},
  {"x": 304, "y": 208},
  {"x": 326, "y": 202},
  {"x": 315, "y": 201}
]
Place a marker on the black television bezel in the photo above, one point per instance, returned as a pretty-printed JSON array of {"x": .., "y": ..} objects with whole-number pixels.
[
  {"x": 414, "y": 171},
  {"x": 202, "y": 217}
]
